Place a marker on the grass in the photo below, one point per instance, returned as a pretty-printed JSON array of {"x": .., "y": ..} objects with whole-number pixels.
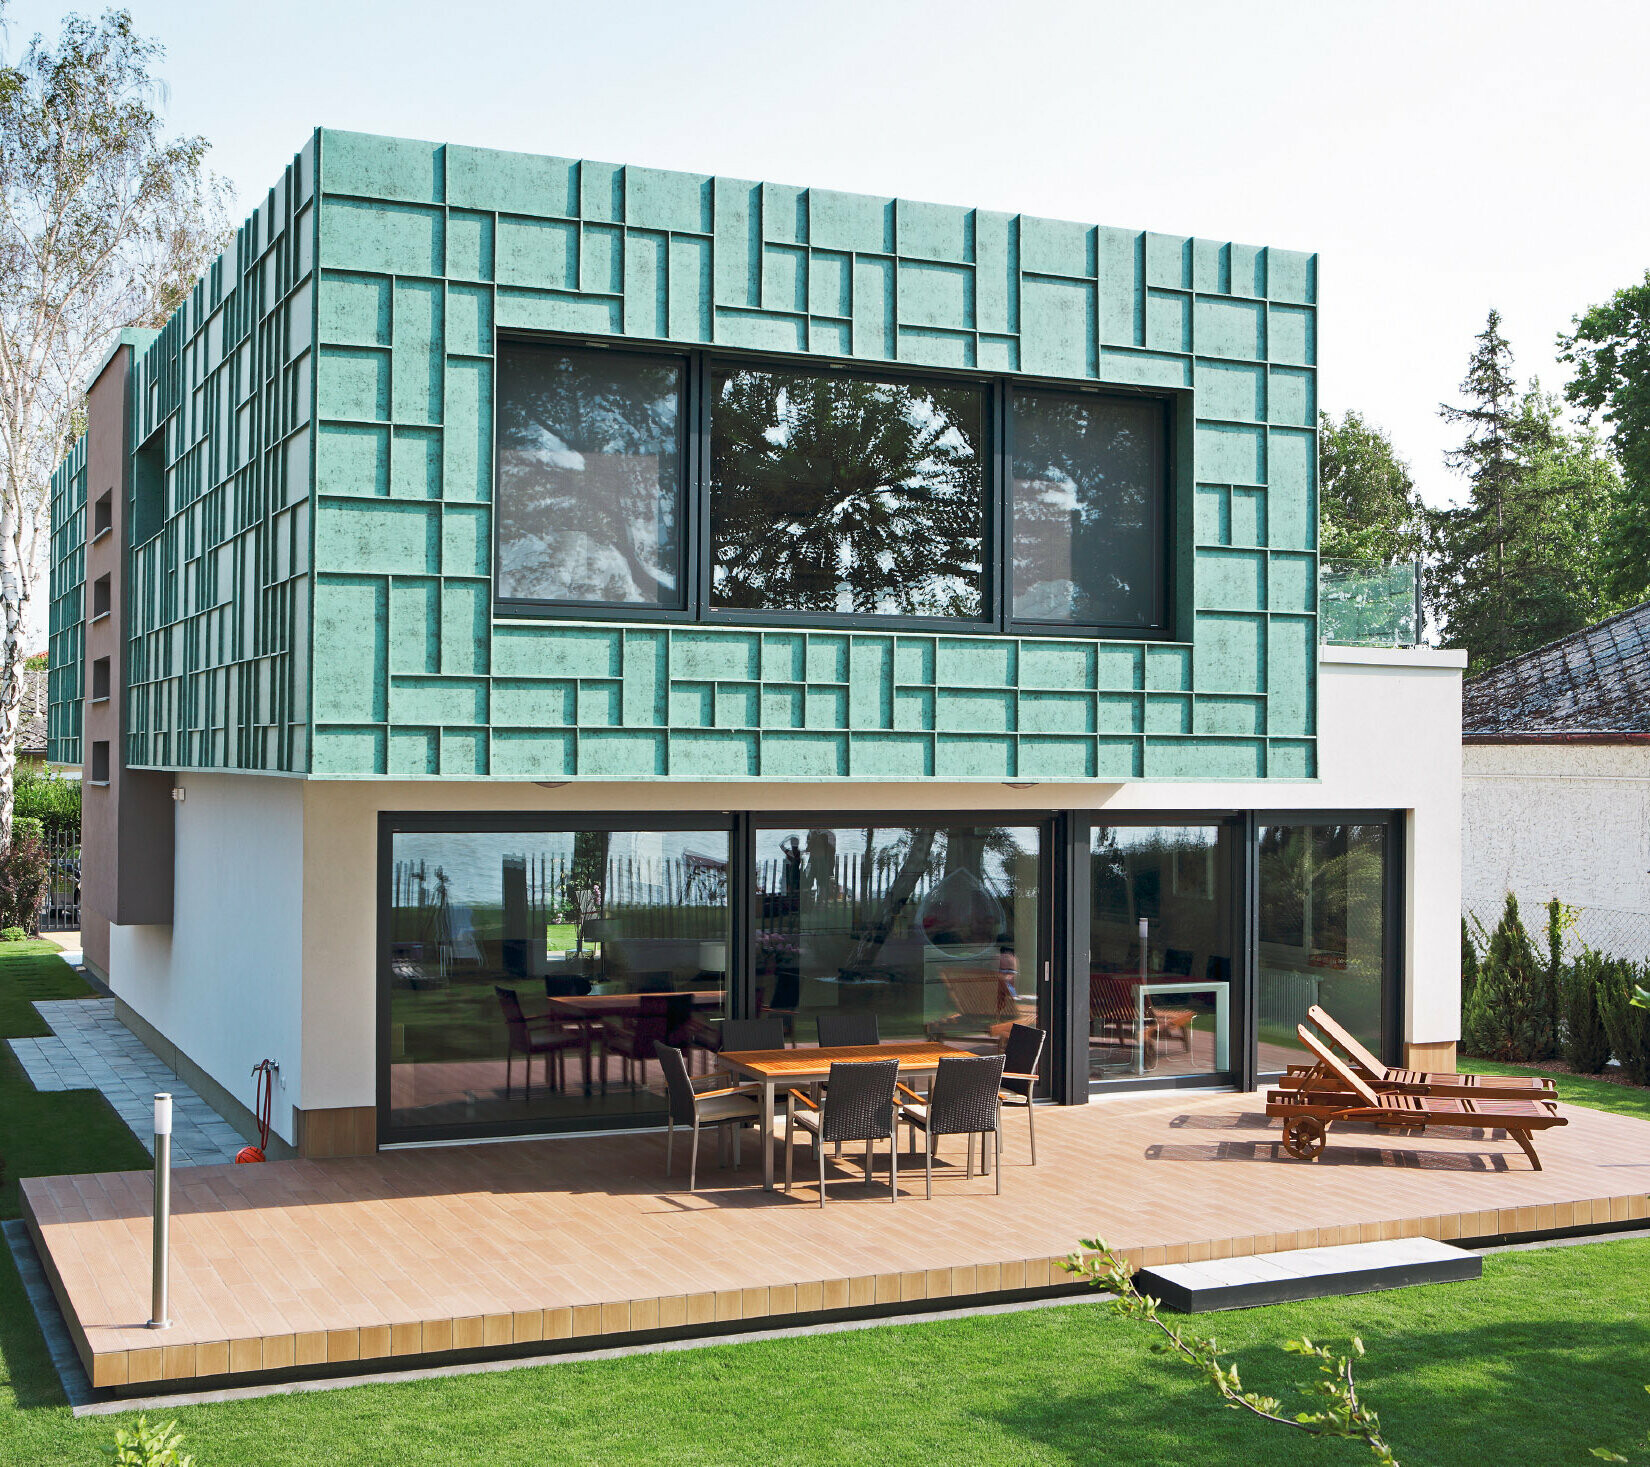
[
  {"x": 58, "y": 1131},
  {"x": 1628, "y": 1100},
  {"x": 1543, "y": 1358}
]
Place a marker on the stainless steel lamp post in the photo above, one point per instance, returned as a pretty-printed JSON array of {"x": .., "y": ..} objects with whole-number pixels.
[{"x": 163, "y": 1211}]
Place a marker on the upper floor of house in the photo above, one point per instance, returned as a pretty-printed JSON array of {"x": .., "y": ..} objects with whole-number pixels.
[{"x": 477, "y": 464}]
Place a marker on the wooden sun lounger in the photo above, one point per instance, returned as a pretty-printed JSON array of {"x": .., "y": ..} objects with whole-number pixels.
[
  {"x": 1414, "y": 1082},
  {"x": 1308, "y": 1113}
]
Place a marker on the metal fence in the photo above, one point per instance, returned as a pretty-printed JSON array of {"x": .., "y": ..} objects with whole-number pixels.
[
  {"x": 62, "y": 910},
  {"x": 1607, "y": 930}
]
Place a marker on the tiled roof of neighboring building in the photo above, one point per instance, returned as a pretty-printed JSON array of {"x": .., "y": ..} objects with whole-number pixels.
[
  {"x": 1592, "y": 684},
  {"x": 31, "y": 717}
]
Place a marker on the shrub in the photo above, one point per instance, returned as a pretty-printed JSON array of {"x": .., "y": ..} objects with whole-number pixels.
[
  {"x": 1561, "y": 921},
  {"x": 1625, "y": 1023},
  {"x": 49, "y": 798},
  {"x": 25, "y": 876},
  {"x": 1586, "y": 1045},
  {"x": 1507, "y": 1016},
  {"x": 12, "y": 934}
]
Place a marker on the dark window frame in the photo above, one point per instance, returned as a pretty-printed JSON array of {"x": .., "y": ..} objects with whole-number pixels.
[
  {"x": 687, "y": 502},
  {"x": 693, "y": 504},
  {"x": 1164, "y": 513}
]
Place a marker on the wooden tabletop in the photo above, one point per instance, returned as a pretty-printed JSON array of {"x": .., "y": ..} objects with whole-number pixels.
[
  {"x": 775, "y": 1064},
  {"x": 627, "y": 1003}
]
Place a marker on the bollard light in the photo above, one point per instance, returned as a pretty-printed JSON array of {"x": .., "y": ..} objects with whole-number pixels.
[{"x": 160, "y": 1245}]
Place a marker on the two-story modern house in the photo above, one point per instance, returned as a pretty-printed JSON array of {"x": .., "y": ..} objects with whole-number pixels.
[{"x": 521, "y": 608}]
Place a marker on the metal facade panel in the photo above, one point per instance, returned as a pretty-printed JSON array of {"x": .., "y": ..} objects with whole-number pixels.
[
  {"x": 426, "y": 252},
  {"x": 66, "y": 627}
]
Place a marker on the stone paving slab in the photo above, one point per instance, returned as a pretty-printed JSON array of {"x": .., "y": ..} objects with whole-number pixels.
[{"x": 90, "y": 1049}]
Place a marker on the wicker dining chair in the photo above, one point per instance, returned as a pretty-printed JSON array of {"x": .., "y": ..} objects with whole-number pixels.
[
  {"x": 840, "y": 1029},
  {"x": 961, "y": 1102},
  {"x": 1021, "y": 1056},
  {"x": 858, "y": 1106},
  {"x": 539, "y": 1035},
  {"x": 768, "y": 1032},
  {"x": 733, "y": 1107}
]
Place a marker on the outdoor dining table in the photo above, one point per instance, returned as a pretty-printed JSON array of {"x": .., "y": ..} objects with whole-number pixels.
[
  {"x": 589, "y": 1009},
  {"x": 771, "y": 1068}
]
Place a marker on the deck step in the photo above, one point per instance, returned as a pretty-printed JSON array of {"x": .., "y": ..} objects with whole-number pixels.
[{"x": 1307, "y": 1273}]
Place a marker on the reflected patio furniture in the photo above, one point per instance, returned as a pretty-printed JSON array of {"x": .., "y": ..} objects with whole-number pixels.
[
  {"x": 983, "y": 999},
  {"x": 658, "y": 1018},
  {"x": 858, "y": 1106},
  {"x": 1143, "y": 995},
  {"x": 729, "y": 1108},
  {"x": 1338, "y": 1093},
  {"x": 1418, "y": 1082},
  {"x": 962, "y": 1101},
  {"x": 1114, "y": 1019},
  {"x": 540, "y": 1035},
  {"x": 838, "y": 1029},
  {"x": 591, "y": 1012},
  {"x": 1022, "y": 1055}
]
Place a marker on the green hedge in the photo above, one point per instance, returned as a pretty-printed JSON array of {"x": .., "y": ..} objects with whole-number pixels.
[{"x": 48, "y": 798}]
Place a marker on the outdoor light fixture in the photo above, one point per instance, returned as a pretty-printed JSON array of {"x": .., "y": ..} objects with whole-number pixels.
[{"x": 163, "y": 1208}]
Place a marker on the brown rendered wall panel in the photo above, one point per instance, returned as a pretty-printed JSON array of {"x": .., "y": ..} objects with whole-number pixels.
[{"x": 126, "y": 822}]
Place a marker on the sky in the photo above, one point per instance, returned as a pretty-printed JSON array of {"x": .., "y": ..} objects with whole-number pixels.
[{"x": 1441, "y": 158}]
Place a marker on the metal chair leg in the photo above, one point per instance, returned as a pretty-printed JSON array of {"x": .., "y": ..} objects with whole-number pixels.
[
  {"x": 509, "y": 1066},
  {"x": 693, "y": 1162},
  {"x": 893, "y": 1165},
  {"x": 985, "y": 1157},
  {"x": 1031, "y": 1129},
  {"x": 819, "y": 1151},
  {"x": 997, "y": 1137},
  {"x": 929, "y": 1149},
  {"x": 970, "y": 1173},
  {"x": 670, "y": 1144}
]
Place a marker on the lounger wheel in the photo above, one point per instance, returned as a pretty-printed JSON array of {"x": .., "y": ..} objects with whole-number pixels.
[{"x": 1303, "y": 1137}]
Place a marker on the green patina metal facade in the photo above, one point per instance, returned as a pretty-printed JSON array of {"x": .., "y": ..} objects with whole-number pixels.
[
  {"x": 318, "y": 597},
  {"x": 66, "y": 617}
]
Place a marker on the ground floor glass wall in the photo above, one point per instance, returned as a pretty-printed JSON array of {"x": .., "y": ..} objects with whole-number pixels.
[{"x": 527, "y": 968}]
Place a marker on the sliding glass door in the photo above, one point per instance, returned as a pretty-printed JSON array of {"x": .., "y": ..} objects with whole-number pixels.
[
  {"x": 932, "y": 930},
  {"x": 1163, "y": 938},
  {"x": 1324, "y": 934}
]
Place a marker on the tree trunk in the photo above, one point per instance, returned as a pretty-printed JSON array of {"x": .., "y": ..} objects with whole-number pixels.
[{"x": 14, "y": 621}]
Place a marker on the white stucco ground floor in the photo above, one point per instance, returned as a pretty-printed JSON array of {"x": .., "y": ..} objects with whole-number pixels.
[{"x": 413, "y": 953}]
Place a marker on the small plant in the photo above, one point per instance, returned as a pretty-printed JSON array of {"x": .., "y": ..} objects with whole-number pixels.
[
  {"x": 1586, "y": 1044},
  {"x": 13, "y": 934},
  {"x": 1344, "y": 1415},
  {"x": 149, "y": 1446},
  {"x": 1561, "y": 922}
]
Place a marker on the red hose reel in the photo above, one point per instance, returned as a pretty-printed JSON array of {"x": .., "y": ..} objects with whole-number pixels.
[{"x": 264, "y": 1073}]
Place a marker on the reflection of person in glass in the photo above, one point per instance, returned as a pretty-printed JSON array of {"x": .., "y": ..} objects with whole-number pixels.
[{"x": 1008, "y": 970}]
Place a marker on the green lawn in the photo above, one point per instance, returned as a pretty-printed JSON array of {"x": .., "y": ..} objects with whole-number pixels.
[
  {"x": 1630, "y": 1100},
  {"x": 1545, "y": 1357}
]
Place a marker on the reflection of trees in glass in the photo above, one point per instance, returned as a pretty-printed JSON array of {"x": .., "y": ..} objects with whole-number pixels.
[
  {"x": 1088, "y": 482},
  {"x": 847, "y": 495},
  {"x": 1321, "y": 888},
  {"x": 588, "y": 476}
]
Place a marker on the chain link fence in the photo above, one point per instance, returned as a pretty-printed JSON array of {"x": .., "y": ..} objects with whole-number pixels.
[{"x": 1607, "y": 930}]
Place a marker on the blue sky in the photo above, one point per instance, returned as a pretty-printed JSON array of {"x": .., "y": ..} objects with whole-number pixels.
[{"x": 1441, "y": 158}]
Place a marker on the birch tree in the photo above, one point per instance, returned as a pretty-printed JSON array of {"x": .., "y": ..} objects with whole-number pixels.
[{"x": 105, "y": 223}]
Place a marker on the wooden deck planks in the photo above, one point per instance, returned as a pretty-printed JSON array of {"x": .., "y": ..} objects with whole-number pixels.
[{"x": 302, "y": 1263}]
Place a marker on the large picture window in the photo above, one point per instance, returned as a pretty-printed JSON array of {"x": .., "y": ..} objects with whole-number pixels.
[
  {"x": 640, "y": 484},
  {"x": 589, "y": 477},
  {"x": 1088, "y": 507},
  {"x": 832, "y": 493}
]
